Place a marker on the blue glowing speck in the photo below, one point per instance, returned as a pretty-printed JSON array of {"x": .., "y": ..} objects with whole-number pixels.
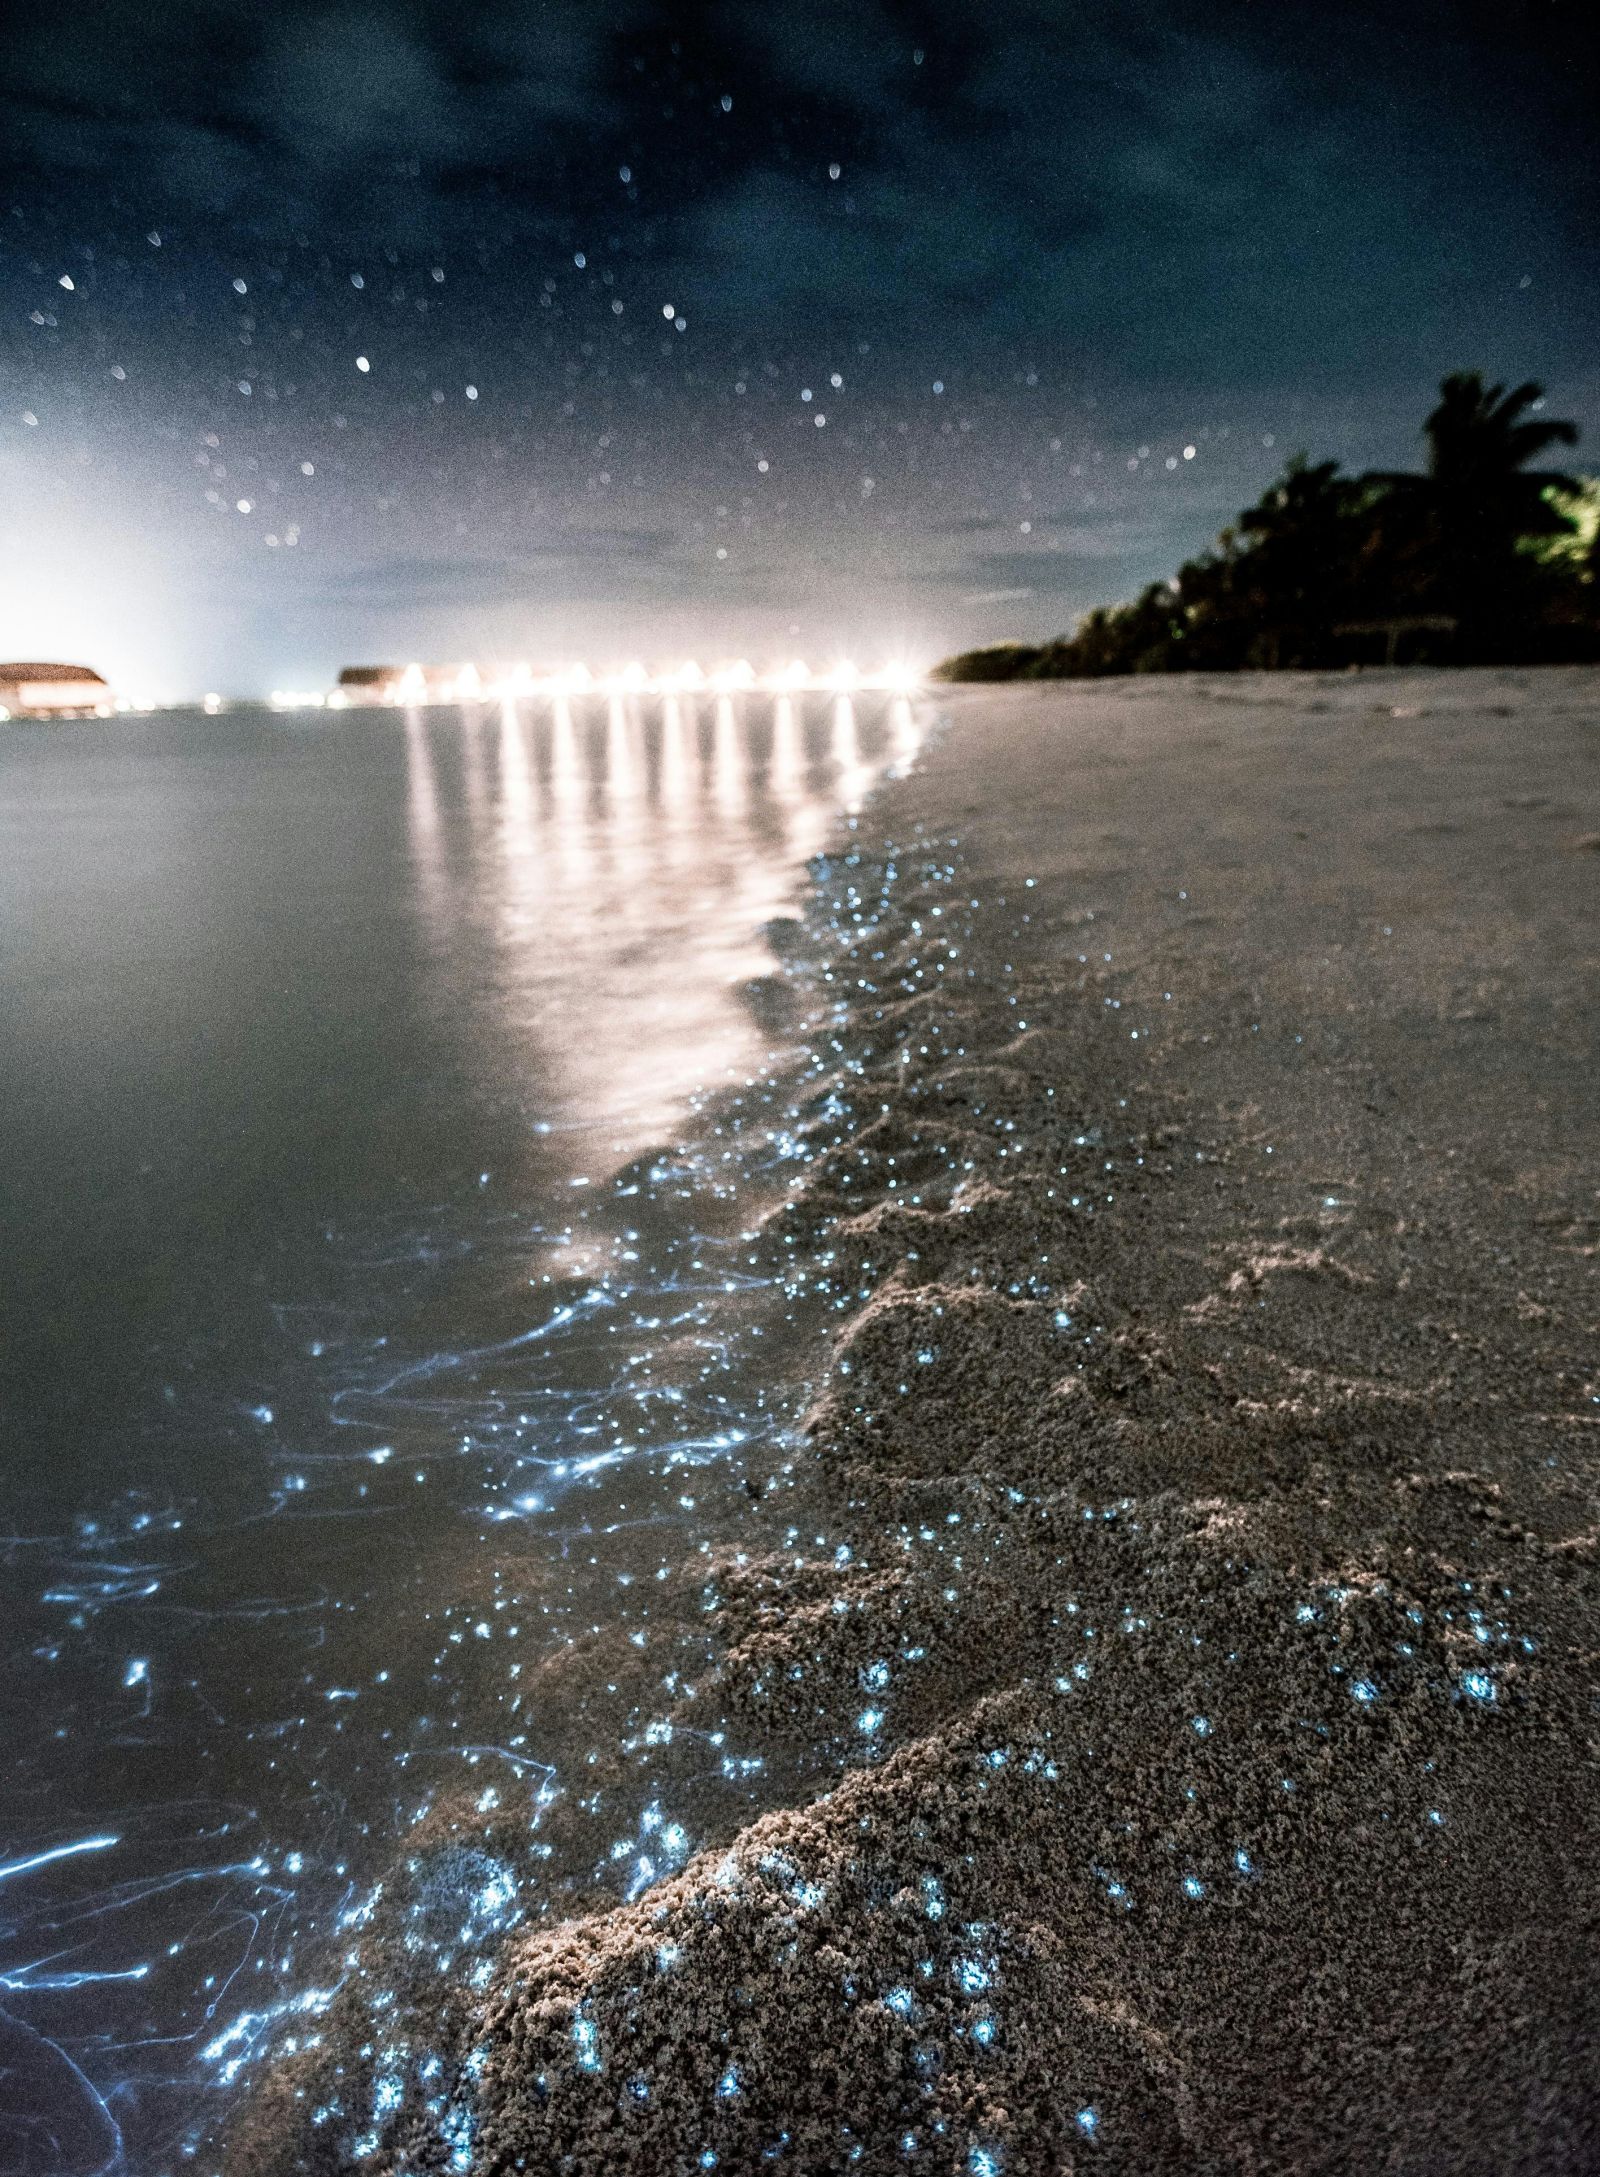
[
  {"x": 899, "y": 2001},
  {"x": 586, "y": 2044},
  {"x": 1088, "y": 2121},
  {"x": 1477, "y": 1685},
  {"x": 1364, "y": 1691},
  {"x": 1201, "y": 1726},
  {"x": 984, "y": 2162},
  {"x": 869, "y": 1720},
  {"x": 456, "y": 2131},
  {"x": 1193, "y": 1886}
]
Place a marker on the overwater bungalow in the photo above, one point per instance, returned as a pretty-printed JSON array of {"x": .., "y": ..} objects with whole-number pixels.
[
  {"x": 36, "y": 690},
  {"x": 407, "y": 684},
  {"x": 370, "y": 683}
]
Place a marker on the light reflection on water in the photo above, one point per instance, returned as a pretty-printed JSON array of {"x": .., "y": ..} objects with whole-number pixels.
[
  {"x": 322, "y": 1049},
  {"x": 665, "y": 835}
]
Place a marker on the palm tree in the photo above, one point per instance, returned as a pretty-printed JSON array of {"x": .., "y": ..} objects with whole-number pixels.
[
  {"x": 1480, "y": 442},
  {"x": 1300, "y": 540},
  {"x": 1480, "y": 500}
]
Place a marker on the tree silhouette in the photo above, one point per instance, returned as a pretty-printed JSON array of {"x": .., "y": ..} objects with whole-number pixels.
[
  {"x": 1301, "y": 568},
  {"x": 1481, "y": 556},
  {"x": 1479, "y": 500}
]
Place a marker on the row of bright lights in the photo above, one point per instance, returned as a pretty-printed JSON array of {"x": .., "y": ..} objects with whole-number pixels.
[{"x": 466, "y": 684}]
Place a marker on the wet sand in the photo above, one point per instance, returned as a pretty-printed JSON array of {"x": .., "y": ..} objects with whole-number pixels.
[{"x": 1172, "y": 1646}]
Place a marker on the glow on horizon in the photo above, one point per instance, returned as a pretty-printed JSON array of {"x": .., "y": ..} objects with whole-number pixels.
[{"x": 419, "y": 684}]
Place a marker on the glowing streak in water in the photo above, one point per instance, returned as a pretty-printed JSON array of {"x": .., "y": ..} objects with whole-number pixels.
[
  {"x": 470, "y": 1356},
  {"x": 29, "y": 1980},
  {"x": 57, "y": 1852}
]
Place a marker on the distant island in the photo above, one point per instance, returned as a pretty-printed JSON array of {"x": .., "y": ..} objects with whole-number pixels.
[{"x": 1480, "y": 559}]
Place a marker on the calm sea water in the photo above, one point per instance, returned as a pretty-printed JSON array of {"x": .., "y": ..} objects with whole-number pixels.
[{"x": 337, "y": 1061}]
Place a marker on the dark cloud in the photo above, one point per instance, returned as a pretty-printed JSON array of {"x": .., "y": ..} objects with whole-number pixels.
[
  {"x": 579, "y": 563},
  {"x": 1169, "y": 175},
  {"x": 1044, "y": 570},
  {"x": 1000, "y": 577}
]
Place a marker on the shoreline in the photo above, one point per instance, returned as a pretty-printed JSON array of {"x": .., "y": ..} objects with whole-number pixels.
[{"x": 1186, "y": 1699}]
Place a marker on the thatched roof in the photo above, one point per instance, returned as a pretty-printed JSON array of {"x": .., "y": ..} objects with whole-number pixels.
[{"x": 15, "y": 675}]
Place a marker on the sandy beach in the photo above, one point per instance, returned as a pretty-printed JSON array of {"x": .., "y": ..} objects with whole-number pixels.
[{"x": 1167, "y": 1647}]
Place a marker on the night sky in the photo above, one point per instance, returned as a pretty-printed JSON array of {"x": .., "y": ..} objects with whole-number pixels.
[{"x": 335, "y": 333}]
